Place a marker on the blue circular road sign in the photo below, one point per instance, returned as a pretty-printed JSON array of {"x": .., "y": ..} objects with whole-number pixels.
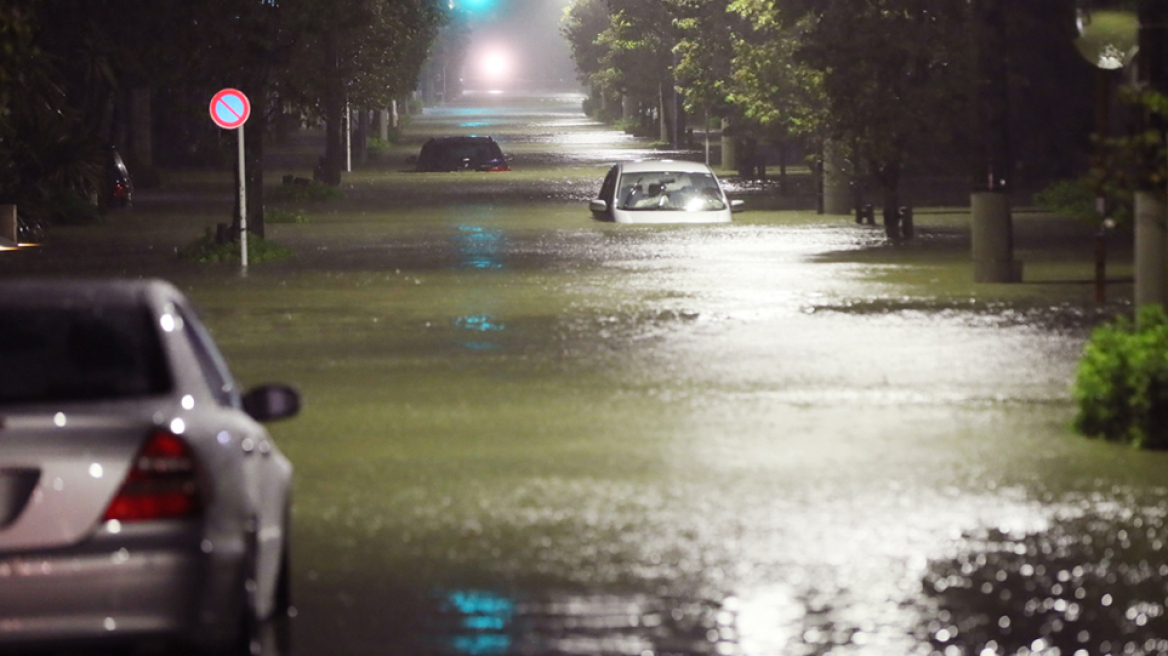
[{"x": 230, "y": 109}]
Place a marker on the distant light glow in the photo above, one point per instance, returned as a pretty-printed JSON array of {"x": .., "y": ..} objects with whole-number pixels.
[{"x": 496, "y": 65}]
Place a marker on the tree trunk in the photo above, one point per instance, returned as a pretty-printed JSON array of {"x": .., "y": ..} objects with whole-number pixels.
[
  {"x": 334, "y": 116},
  {"x": 253, "y": 155},
  {"x": 361, "y": 136},
  {"x": 141, "y": 129},
  {"x": 782, "y": 145}
]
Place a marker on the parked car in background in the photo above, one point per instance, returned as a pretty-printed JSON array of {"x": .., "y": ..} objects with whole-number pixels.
[
  {"x": 119, "y": 184},
  {"x": 461, "y": 154},
  {"x": 662, "y": 191},
  {"x": 140, "y": 498}
]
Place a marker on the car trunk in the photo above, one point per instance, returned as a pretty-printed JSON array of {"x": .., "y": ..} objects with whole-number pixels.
[{"x": 58, "y": 473}]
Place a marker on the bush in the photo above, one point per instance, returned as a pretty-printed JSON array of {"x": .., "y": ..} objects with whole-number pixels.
[
  {"x": 277, "y": 215},
  {"x": 304, "y": 191},
  {"x": 207, "y": 250},
  {"x": 67, "y": 207},
  {"x": 376, "y": 147},
  {"x": 1122, "y": 383},
  {"x": 1073, "y": 199}
]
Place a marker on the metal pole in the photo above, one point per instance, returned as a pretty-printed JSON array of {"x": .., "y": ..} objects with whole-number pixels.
[
  {"x": 707, "y": 132},
  {"x": 242, "y": 204},
  {"x": 348, "y": 138}
]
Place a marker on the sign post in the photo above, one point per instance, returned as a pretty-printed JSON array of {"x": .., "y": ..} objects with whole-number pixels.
[{"x": 230, "y": 110}]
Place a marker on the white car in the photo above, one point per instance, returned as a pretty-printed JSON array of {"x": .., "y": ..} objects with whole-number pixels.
[
  {"x": 140, "y": 499},
  {"x": 662, "y": 191}
]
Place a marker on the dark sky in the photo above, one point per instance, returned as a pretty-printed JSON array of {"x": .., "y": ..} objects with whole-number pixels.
[{"x": 525, "y": 32}]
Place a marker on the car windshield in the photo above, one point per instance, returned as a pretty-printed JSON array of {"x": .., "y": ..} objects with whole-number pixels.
[
  {"x": 55, "y": 354},
  {"x": 670, "y": 191}
]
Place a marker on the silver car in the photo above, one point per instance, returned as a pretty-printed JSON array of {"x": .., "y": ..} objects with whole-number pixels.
[
  {"x": 662, "y": 191},
  {"x": 140, "y": 500}
]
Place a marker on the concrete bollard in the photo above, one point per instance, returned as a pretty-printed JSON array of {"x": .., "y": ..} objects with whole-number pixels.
[
  {"x": 9, "y": 228},
  {"x": 906, "y": 222},
  {"x": 993, "y": 239},
  {"x": 1151, "y": 250}
]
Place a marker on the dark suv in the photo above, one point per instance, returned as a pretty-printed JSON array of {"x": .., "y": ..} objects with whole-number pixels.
[
  {"x": 119, "y": 184},
  {"x": 462, "y": 154}
]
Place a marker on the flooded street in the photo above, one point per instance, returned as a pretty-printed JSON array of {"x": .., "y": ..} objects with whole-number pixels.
[{"x": 529, "y": 432}]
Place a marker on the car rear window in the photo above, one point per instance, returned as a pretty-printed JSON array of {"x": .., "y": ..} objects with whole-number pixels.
[{"x": 54, "y": 354}]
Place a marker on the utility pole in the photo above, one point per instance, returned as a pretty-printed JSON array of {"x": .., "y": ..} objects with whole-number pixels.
[
  {"x": 992, "y": 228},
  {"x": 1151, "y": 234}
]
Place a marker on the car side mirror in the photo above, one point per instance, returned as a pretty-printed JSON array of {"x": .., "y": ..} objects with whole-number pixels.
[
  {"x": 271, "y": 402},
  {"x": 598, "y": 206},
  {"x": 412, "y": 159},
  {"x": 737, "y": 206}
]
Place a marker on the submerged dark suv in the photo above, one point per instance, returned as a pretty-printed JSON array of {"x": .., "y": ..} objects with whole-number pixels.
[
  {"x": 462, "y": 154},
  {"x": 119, "y": 184}
]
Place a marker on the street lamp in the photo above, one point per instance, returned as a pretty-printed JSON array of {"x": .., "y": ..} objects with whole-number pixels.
[
  {"x": 1108, "y": 40},
  {"x": 1108, "y": 33}
]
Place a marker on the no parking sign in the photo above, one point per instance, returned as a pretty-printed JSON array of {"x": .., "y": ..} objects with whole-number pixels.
[{"x": 230, "y": 109}]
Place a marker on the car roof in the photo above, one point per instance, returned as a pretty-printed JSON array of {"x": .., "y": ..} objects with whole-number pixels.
[
  {"x": 470, "y": 138},
  {"x": 647, "y": 165},
  {"x": 54, "y": 292}
]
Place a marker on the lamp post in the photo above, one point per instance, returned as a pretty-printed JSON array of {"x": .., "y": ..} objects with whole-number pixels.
[
  {"x": 1107, "y": 40},
  {"x": 992, "y": 226}
]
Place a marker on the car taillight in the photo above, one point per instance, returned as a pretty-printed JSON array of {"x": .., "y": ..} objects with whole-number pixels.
[
  {"x": 499, "y": 167},
  {"x": 161, "y": 483}
]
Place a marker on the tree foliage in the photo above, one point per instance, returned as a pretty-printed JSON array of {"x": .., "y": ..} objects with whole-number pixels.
[
  {"x": 584, "y": 22},
  {"x": 66, "y": 67},
  {"x": 876, "y": 76}
]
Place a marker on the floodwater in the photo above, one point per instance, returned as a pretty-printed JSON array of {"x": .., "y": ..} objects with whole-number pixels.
[{"x": 528, "y": 432}]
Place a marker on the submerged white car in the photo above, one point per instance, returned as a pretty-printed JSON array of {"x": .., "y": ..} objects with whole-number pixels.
[
  {"x": 662, "y": 191},
  {"x": 140, "y": 499}
]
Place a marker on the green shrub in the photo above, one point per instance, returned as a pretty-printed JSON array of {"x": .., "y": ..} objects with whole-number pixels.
[
  {"x": 310, "y": 191},
  {"x": 277, "y": 215},
  {"x": 627, "y": 125},
  {"x": 207, "y": 250},
  {"x": 1122, "y": 383},
  {"x": 67, "y": 207},
  {"x": 1073, "y": 199}
]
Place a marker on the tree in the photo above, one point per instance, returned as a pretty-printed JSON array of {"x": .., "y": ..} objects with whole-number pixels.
[
  {"x": 738, "y": 59},
  {"x": 638, "y": 55},
  {"x": 359, "y": 52},
  {"x": 50, "y": 159},
  {"x": 894, "y": 75}
]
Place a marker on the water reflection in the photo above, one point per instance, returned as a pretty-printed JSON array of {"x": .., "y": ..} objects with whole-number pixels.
[
  {"x": 1093, "y": 583},
  {"x": 484, "y": 623},
  {"x": 480, "y": 248},
  {"x": 478, "y": 622}
]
